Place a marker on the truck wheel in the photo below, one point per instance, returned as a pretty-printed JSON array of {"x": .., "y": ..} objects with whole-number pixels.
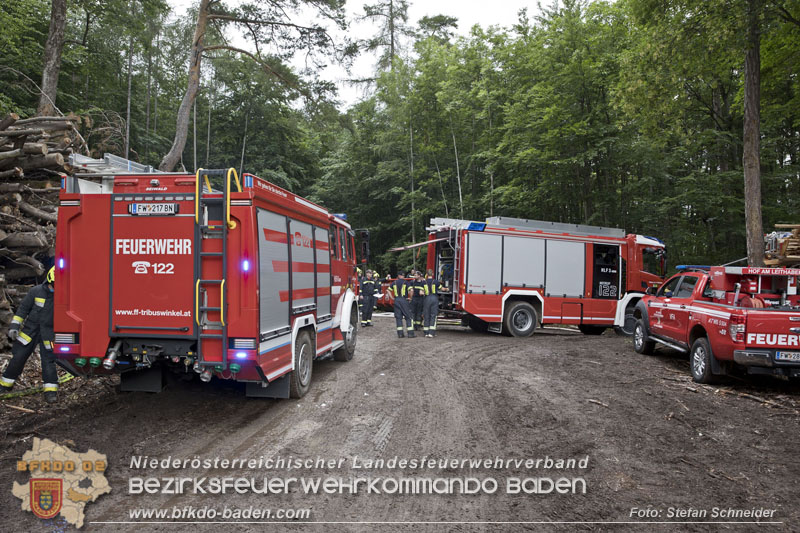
[
  {"x": 591, "y": 330},
  {"x": 520, "y": 320},
  {"x": 700, "y": 361},
  {"x": 300, "y": 380},
  {"x": 641, "y": 341},
  {"x": 629, "y": 324},
  {"x": 477, "y": 325},
  {"x": 346, "y": 351}
]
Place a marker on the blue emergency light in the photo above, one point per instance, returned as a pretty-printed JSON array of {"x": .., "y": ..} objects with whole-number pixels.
[{"x": 692, "y": 267}]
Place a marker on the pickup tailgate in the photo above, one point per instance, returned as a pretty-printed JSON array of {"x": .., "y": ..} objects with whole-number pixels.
[{"x": 775, "y": 331}]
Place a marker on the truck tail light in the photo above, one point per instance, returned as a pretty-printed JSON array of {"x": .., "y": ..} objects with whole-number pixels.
[
  {"x": 66, "y": 338},
  {"x": 737, "y": 328},
  {"x": 244, "y": 344}
]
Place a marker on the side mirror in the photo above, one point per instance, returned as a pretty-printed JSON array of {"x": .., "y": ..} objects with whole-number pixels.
[{"x": 363, "y": 235}]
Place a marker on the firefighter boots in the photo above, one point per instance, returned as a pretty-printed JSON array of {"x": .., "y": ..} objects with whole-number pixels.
[
  {"x": 51, "y": 396},
  {"x": 411, "y": 334}
]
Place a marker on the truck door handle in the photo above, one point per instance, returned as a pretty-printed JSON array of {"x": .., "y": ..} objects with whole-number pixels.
[{"x": 683, "y": 307}]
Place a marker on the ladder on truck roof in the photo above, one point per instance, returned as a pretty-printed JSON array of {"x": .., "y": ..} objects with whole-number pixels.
[{"x": 218, "y": 207}]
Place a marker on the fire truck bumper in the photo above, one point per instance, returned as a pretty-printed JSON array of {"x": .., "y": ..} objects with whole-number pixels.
[
  {"x": 762, "y": 358},
  {"x": 765, "y": 362}
]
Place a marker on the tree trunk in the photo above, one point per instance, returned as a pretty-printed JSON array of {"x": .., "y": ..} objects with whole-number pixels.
[
  {"x": 244, "y": 142},
  {"x": 52, "y": 58},
  {"x": 128, "y": 106},
  {"x": 458, "y": 170},
  {"x": 182, "y": 121},
  {"x": 411, "y": 174},
  {"x": 751, "y": 141}
]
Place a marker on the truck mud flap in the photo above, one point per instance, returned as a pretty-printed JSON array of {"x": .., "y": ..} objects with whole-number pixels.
[
  {"x": 276, "y": 389},
  {"x": 148, "y": 380}
]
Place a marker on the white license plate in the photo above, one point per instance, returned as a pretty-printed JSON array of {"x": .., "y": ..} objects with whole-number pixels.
[
  {"x": 787, "y": 356},
  {"x": 153, "y": 209}
]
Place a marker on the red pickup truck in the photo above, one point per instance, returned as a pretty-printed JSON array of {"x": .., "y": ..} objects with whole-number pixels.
[{"x": 725, "y": 317}]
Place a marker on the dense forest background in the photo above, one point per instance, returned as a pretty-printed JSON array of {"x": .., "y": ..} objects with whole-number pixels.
[{"x": 626, "y": 114}]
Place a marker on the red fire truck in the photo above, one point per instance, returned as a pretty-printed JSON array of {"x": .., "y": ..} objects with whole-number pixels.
[
  {"x": 158, "y": 271},
  {"x": 509, "y": 274}
]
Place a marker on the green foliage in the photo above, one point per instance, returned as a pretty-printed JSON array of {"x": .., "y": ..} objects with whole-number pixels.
[{"x": 624, "y": 114}]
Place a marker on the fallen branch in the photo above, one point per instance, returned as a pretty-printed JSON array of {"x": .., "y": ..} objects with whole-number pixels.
[
  {"x": 598, "y": 402},
  {"x": 18, "y": 408}
]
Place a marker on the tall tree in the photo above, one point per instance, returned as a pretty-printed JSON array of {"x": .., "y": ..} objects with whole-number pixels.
[
  {"x": 52, "y": 58},
  {"x": 392, "y": 17},
  {"x": 270, "y": 23},
  {"x": 751, "y": 156}
]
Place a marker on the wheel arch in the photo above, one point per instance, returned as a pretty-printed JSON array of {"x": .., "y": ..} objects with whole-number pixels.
[
  {"x": 304, "y": 323},
  {"x": 531, "y": 297}
]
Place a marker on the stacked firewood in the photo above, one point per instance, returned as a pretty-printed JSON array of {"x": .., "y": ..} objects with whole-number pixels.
[
  {"x": 27, "y": 236},
  {"x": 35, "y": 147},
  {"x": 783, "y": 246}
]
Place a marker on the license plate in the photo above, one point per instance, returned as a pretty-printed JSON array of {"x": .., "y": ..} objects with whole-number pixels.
[
  {"x": 787, "y": 356},
  {"x": 153, "y": 209}
]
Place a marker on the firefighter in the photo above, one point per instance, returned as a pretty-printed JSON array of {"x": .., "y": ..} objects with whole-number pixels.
[
  {"x": 360, "y": 278},
  {"x": 402, "y": 307},
  {"x": 418, "y": 299},
  {"x": 366, "y": 298},
  {"x": 431, "y": 304},
  {"x": 32, "y": 325}
]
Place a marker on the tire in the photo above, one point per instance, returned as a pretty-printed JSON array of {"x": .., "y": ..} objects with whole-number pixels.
[
  {"x": 629, "y": 324},
  {"x": 641, "y": 341},
  {"x": 300, "y": 380},
  {"x": 591, "y": 330},
  {"x": 477, "y": 325},
  {"x": 520, "y": 319},
  {"x": 346, "y": 352},
  {"x": 700, "y": 361}
]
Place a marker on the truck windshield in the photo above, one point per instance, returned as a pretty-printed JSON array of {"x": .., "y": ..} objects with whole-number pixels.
[{"x": 654, "y": 261}]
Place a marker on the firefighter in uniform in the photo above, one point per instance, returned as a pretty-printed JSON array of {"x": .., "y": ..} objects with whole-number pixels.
[
  {"x": 431, "y": 304},
  {"x": 418, "y": 299},
  {"x": 366, "y": 298},
  {"x": 402, "y": 306},
  {"x": 360, "y": 278},
  {"x": 32, "y": 325}
]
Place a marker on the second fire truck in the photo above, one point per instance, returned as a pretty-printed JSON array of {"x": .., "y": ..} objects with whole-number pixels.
[{"x": 510, "y": 275}]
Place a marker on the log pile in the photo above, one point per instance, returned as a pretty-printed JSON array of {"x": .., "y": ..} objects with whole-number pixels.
[
  {"x": 783, "y": 246},
  {"x": 34, "y": 148},
  {"x": 27, "y": 236}
]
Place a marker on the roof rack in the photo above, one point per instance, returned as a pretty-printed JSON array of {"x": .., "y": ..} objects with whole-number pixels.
[
  {"x": 110, "y": 165},
  {"x": 556, "y": 227}
]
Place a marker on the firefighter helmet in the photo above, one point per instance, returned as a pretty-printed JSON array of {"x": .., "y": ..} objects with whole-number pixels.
[{"x": 51, "y": 275}]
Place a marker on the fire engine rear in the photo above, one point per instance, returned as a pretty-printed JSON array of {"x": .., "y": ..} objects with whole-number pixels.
[{"x": 251, "y": 283}]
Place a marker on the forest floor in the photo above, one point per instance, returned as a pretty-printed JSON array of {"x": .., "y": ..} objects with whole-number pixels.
[{"x": 654, "y": 439}]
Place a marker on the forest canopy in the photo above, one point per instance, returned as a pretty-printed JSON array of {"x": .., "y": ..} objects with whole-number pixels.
[{"x": 625, "y": 114}]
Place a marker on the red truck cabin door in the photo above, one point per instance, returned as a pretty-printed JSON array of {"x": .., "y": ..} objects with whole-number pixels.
[{"x": 152, "y": 268}]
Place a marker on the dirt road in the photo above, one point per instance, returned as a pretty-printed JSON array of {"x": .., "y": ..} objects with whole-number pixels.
[{"x": 653, "y": 438}]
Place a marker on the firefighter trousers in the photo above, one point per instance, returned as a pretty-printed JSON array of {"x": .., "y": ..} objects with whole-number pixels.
[
  {"x": 20, "y": 354},
  {"x": 430, "y": 310},
  {"x": 417, "y": 304},
  {"x": 402, "y": 309},
  {"x": 367, "y": 305}
]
